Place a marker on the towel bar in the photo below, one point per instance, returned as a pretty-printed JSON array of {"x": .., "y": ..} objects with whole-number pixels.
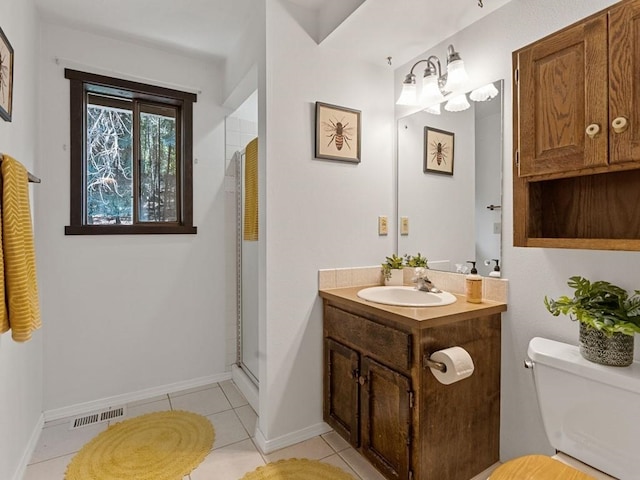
[{"x": 31, "y": 176}]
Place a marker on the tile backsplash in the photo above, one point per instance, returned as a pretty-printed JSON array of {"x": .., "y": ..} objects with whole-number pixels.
[{"x": 495, "y": 289}]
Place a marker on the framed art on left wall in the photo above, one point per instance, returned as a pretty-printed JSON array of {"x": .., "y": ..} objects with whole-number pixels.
[
  {"x": 6, "y": 77},
  {"x": 337, "y": 133}
]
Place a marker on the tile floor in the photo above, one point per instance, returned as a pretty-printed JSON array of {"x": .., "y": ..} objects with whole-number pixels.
[{"x": 234, "y": 452}]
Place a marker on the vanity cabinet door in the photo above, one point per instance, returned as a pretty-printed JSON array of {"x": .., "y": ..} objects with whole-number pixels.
[
  {"x": 562, "y": 94},
  {"x": 341, "y": 401},
  {"x": 386, "y": 403}
]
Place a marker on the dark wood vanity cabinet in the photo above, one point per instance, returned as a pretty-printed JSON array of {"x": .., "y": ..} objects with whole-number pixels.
[
  {"x": 369, "y": 401},
  {"x": 577, "y": 134},
  {"x": 380, "y": 397}
]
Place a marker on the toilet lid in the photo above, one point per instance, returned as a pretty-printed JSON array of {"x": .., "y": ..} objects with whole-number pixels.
[{"x": 537, "y": 467}]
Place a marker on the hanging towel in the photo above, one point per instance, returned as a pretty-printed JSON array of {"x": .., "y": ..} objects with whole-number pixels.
[
  {"x": 21, "y": 307},
  {"x": 251, "y": 191}
]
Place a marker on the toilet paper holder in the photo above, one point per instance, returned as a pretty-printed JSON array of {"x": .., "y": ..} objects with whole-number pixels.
[{"x": 428, "y": 363}]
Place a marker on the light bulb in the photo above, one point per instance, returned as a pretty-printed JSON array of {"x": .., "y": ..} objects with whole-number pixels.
[
  {"x": 457, "y": 104},
  {"x": 484, "y": 93},
  {"x": 408, "y": 94},
  {"x": 430, "y": 91},
  {"x": 456, "y": 76},
  {"x": 433, "y": 109}
]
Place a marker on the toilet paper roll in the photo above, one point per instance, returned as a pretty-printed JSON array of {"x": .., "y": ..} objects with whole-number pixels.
[{"x": 458, "y": 362}]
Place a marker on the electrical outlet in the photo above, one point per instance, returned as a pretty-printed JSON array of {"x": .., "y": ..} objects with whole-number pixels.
[
  {"x": 383, "y": 227},
  {"x": 404, "y": 225}
]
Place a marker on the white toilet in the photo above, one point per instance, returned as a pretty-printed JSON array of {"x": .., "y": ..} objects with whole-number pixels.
[{"x": 591, "y": 414}]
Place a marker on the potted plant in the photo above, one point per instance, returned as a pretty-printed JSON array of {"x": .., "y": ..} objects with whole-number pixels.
[
  {"x": 415, "y": 261},
  {"x": 392, "y": 270},
  {"x": 609, "y": 317}
]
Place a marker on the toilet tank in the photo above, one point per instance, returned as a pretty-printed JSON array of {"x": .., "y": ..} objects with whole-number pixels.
[{"x": 589, "y": 411}]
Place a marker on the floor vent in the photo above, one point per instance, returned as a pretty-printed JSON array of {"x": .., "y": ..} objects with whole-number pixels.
[{"x": 97, "y": 417}]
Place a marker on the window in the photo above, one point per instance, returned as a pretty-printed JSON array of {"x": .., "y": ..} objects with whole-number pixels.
[{"x": 131, "y": 157}]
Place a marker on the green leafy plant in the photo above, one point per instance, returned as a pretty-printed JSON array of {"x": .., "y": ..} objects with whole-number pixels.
[
  {"x": 415, "y": 261},
  {"x": 600, "y": 305},
  {"x": 393, "y": 262}
]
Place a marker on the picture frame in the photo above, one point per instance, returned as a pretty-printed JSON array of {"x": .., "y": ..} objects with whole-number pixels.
[
  {"x": 438, "y": 151},
  {"x": 338, "y": 133},
  {"x": 6, "y": 77}
]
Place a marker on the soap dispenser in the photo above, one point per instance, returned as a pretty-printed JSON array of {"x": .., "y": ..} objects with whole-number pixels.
[
  {"x": 473, "y": 285},
  {"x": 496, "y": 269}
]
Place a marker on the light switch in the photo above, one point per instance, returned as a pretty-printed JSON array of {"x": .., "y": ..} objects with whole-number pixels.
[
  {"x": 383, "y": 228},
  {"x": 404, "y": 225}
]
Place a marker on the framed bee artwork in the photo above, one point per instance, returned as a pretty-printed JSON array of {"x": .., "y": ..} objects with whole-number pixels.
[
  {"x": 438, "y": 151},
  {"x": 6, "y": 77},
  {"x": 337, "y": 133}
]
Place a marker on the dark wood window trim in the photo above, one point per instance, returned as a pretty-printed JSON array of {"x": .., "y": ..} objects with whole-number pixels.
[{"x": 81, "y": 84}]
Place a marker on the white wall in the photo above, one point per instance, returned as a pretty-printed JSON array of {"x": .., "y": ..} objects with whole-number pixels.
[
  {"x": 319, "y": 213},
  {"x": 127, "y": 313},
  {"x": 21, "y": 363},
  {"x": 533, "y": 273}
]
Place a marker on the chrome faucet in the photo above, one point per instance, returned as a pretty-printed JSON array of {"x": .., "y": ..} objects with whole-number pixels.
[{"x": 422, "y": 281}]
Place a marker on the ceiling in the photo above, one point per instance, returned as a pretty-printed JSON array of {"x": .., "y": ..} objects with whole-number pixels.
[{"x": 401, "y": 29}]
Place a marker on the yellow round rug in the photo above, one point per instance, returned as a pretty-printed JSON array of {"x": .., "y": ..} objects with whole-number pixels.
[
  {"x": 297, "y": 469},
  {"x": 155, "y": 446}
]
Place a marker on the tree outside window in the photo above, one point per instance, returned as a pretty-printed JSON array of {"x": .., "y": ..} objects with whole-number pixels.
[{"x": 131, "y": 149}]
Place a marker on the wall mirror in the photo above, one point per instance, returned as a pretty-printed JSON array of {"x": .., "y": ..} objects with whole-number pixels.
[{"x": 450, "y": 185}]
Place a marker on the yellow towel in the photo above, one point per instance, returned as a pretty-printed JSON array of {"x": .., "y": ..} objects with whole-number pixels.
[
  {"x": 251, "y": 191},
  {"x": 22, "y": 310}
]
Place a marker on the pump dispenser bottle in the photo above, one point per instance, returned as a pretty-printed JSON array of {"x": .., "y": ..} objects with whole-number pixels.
[
  {"x": 496, "y": 269},
  {"x": 473, "y": 285}
]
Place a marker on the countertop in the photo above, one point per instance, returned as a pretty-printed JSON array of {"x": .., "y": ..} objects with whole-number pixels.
[{"x": 425, "y": 316}]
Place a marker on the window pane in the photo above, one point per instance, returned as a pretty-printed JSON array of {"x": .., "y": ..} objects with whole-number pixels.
[
  {"x": 158, "y": 172},
  {"x": 109, "y": 165}
]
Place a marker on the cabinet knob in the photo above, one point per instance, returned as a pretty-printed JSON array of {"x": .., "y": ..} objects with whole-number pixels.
[
  {"x": 362, "y": 380},
  {"x": 620, "y": 124},
  {"x": 593, "y": 130}
]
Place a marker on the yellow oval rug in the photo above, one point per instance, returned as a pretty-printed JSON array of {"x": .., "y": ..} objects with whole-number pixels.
[
  {"x": 155, "y": 446},
  {"x": 297, "y": 469}
]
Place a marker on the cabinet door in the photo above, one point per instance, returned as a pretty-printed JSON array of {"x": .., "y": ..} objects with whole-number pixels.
[
  {"x": 386, "y": 418},
  {"x": 624, "y": 81},
  {"x": 341, "y": 390},
  {"x": 561, "y": 91}
]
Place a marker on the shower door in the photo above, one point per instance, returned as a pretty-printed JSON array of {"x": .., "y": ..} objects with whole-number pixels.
[{"x": 247, "y": 284}]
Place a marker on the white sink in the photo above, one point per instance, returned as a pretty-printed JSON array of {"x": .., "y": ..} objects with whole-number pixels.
[{"x": 406, "y": 297}]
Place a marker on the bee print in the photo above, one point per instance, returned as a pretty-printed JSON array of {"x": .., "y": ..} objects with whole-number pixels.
[
  {"x": 338, "y": 133},
  {"x": 439, "y": 152},
  {"x": 4, "y": 73}
]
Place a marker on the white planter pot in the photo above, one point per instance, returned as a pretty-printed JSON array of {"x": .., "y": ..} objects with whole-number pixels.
[{"x": 397, "y": 277}]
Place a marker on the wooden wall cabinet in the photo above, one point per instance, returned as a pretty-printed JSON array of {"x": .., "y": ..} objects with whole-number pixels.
[
  {"x": 577, "y": 134},
  {"x": 386, "y": 403}
]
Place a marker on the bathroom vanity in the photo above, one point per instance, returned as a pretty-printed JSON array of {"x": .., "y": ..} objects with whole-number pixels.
[{"x": 383, "y": 399}]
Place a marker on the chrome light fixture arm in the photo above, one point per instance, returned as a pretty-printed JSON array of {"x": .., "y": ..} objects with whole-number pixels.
[{"x": 433, "y": 68}]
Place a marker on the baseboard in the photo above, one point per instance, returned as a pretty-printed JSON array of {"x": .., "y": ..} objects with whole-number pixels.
[
  {"x": 246, "y": 387},
  {"x": 28, "y": 451},
  {"x": 268, "y": 446},
  {"x": 87, "y": 407}
]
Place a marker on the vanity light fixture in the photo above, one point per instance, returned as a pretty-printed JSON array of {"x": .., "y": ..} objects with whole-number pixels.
[
  {"x": 433, "y": 109},
  {"x": 435, "y": 84},
  {"x": 484, "y": 93},
  {"x": 457, "y": 103}
]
